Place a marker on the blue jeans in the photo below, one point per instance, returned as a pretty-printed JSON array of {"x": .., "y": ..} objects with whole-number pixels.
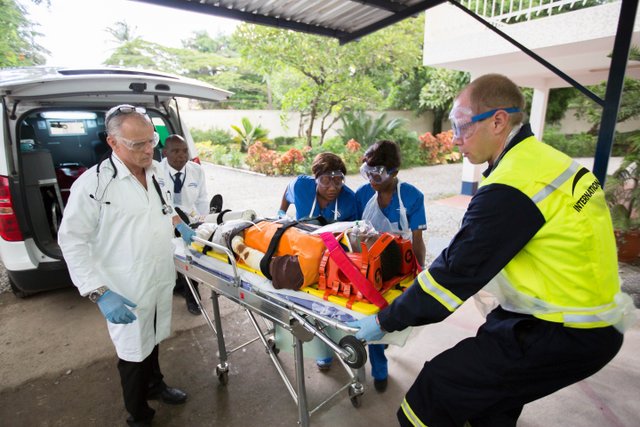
[{"x": 379, "y": 367}]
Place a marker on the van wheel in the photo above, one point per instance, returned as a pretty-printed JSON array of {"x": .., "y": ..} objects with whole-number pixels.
[{"x": 18, "y": 292}]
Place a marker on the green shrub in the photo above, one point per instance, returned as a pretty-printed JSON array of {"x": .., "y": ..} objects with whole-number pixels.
[
  {"x": 409, "y": 145},
  {"x": 335, "y": 144},
  {"x": 215, "y": 136},
  {"x": 212, "y": 153},
  {"x": 366, "y": 130},
  {"x": 234, "y": 158},
  {"x": 577, "y": 145},
  {"x": 291, "y": 141}
]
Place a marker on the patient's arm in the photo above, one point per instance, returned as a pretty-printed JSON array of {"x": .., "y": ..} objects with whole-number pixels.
[{"x": 250, "y": 256}]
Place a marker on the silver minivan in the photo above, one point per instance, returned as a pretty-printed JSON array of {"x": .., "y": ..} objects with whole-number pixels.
[{"x": 52, "y": 131}]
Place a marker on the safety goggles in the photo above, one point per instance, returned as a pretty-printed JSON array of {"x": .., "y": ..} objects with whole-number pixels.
[
  {"x": 463, "y": 121},
  {"x": 140, "y": 145},
  {"x": 375, "y": 174},
  {"x": 335, "y": 178}
]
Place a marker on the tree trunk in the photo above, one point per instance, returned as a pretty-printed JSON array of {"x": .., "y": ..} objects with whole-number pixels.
[
  {"x": 312, "y": 119},
  {"x": 438, "y": 117},
  {"x": 269, "y": 100}
]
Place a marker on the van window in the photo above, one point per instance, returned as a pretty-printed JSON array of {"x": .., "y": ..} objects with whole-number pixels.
[{"x": 66, "y": 127}]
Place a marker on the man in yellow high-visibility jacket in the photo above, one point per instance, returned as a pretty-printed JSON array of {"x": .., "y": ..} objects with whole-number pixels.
[{"x": 538, "y": 231}]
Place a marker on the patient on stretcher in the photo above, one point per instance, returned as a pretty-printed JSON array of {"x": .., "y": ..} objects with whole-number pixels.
[{"x": 294, "y": 256}]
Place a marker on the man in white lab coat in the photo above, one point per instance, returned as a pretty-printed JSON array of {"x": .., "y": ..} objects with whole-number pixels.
[
  {"x": 185, "y": 182},
  {"x": 116, "y": 238}
]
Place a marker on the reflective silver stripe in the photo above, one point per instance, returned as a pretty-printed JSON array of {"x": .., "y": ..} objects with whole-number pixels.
[
  {"x": 445, "y": 297},
  {"x": 581, "y": 318},
  {"x": 413, "y": 419},
  {"x": 556, "y": 183}
]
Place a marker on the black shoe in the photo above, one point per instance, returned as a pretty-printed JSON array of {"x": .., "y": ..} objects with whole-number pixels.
[
  {"x": 193, "y": 308},
  {"x": 215, "y": 205},
  {"x": 132, "y": 423},
  {"x": 380, "y": 385},
  {"x": 170, "y": 395}
]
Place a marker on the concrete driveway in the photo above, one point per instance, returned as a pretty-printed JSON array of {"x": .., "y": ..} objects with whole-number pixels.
[{"x": 58, "y": 367}]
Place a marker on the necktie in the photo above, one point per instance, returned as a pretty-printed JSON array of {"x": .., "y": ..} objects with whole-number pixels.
[{"x": 177, "y": 183}]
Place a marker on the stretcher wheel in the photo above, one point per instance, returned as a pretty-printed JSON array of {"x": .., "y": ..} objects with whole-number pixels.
[
  {"x": 355, "y": 397},
  {"x": 223, "y": 376},
  {"x": 357, "y": 353}
]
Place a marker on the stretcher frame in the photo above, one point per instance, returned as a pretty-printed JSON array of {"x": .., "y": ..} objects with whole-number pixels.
[{"x": 302, "y": 323}]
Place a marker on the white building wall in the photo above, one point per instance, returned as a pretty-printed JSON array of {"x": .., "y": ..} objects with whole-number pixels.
[{"x": 271, "y": 120}]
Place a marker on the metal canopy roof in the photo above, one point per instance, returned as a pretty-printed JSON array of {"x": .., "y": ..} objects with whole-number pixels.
[{"x": 345, "y": 20}]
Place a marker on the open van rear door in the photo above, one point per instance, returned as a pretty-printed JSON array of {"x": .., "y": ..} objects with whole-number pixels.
[{"x": 64, "y": 86}]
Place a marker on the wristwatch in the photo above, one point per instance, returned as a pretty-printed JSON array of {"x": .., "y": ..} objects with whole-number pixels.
[{"x": 97, "y": 293}]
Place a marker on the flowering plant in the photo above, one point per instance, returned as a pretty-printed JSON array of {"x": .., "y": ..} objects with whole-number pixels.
[
  {"x": 438, "y": 149},
  {"x": 261, "y": 159}
]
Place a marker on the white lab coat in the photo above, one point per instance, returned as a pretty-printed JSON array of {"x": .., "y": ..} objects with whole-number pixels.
[
  {"x": 114, "y": 234},
  {"x": 193, "y": 199}
]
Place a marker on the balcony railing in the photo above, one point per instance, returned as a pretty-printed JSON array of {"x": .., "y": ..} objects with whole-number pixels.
[{"x": 513, "y": 11}]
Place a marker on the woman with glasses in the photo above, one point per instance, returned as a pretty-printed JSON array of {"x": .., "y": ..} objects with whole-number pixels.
[
  {"x": 391, "y": 206},
  {"x": 324, "y": 196}
]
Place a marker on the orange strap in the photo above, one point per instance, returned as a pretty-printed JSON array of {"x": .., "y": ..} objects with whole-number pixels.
[{"x": 351, "y": 271}]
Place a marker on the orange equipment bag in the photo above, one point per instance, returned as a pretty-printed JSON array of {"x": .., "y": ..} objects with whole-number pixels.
[
  {"x": 293, "y": 241},
  {"x": 382, "y": 264}
]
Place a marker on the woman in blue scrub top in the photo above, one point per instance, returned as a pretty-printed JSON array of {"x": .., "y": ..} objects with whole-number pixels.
[
  {"x": 324, "y": 195},
  {"x": 391, "y": 206}
]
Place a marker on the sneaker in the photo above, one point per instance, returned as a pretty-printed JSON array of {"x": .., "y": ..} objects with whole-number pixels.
[
  {"x": 215, "y": 205},
  {"x": 324, "y": 364}
]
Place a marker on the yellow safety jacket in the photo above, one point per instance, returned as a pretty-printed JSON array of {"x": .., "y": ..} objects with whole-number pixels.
[{"x": 568, "y": 272}]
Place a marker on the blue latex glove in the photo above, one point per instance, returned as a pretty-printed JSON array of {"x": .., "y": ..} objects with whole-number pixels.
[
  {"x": 281, "y": 214},
  {"x": 114, "y": 308},
  {"x": 370, "y": 329},
  {"x": 186, "y": 232}
]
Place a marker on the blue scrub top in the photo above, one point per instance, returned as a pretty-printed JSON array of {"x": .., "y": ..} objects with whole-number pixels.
[
  {"x": 301, "y": 193},
  {"x": 412, "y": 199}
]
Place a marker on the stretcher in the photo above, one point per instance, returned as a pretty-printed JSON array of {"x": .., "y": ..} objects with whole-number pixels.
[{"x": 302, "y": 314}]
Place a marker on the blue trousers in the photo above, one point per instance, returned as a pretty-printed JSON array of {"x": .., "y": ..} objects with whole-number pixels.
[{"x": 379, "y": 366}]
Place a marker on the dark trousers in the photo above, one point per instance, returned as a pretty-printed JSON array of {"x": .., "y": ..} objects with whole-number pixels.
[
  {"x": 137, "y": 379},
  {"x": 513, "y": 360},
  {"x": 182, "y": 288}
]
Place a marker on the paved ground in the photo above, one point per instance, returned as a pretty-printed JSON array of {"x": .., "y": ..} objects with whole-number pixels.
[{"x": 57, "y": 365}]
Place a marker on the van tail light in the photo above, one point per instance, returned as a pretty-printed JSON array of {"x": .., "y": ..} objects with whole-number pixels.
[
  {"x": 9, "y": 227},
  {"x": 196, "y": 160}
]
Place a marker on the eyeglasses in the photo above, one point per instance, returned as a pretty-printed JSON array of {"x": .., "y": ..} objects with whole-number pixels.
[
  {"x": 375, "y": 174},
  {"x": 140, "y": 145},
  {"x": 335, "y": 178},
  {"x": 463, "y": 128}
]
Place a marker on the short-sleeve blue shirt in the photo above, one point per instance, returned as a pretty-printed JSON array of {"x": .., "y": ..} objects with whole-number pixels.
[
  {"x": 301, "y": 192},
  {"x": 412, "y": 199}
]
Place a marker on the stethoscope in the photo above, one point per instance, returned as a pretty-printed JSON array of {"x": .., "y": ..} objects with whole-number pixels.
[
  {"x": 166, "y": 208},
  {"x": 336, "y": 212}
]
